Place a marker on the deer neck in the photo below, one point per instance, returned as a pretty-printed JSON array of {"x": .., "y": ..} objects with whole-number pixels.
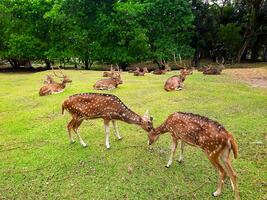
[
  {"x": 161, "y": 129},
  {"x": 131, "y": 117}
]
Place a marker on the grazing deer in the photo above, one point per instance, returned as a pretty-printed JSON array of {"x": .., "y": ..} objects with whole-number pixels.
[
  {"x": 141, "y": 72},
  {"x": 214, "y": 70},
  {"x": 107, "y": 84},
  {"x": 206, "y": 134},
  {"x": 54, "y": 88},
  {"x": 106, "y": 106},
  {"x": 176, "y": 82}
]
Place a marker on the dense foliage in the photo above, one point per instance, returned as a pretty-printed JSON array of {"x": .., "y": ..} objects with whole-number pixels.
[{"x": 130, "y": 31}]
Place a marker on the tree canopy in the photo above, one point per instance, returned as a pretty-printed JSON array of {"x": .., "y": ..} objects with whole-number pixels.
[{"x": 129, "y": 31}]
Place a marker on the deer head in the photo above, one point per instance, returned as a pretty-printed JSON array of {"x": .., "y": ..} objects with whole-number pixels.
[
  {"x": 66, "y": 79},
  {"x": 146, "y": 122},
  {"x": 220, "y": 65}
]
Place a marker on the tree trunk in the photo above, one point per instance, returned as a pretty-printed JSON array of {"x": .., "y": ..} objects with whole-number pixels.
[
  {"x": 47, "y": 63},
  {"x": 242, "y": 50},
  {"x": 196, "y": 58}
]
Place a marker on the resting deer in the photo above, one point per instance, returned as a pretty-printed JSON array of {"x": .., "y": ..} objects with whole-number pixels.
[
  {"x": 113, "y": 72},
  {"x": 107, "y": 84},
  {"x": 176, "y": 82},
  {"x": 137, "y": 69},
  {"x": 165, "y": 67},
  {"x": 54, "y": 88},
  {"x": 141, "y": 72},
  {"x": 206, "y": 134},
  {"x": 214, "y": 70},
  {"x": 106, "y": 106}
]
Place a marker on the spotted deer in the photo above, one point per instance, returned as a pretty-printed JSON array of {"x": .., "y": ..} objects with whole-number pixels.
[
  {"x": 54, "y": 87},
  {"x": 113, "y": 72},
  {"x": 137, "y": 69},
  {"x": 209, "y": 135},
  {"x": 176, "y": 82},
  {"x": 107, "y": 84},
  {"x": 141, "y": 72},
  {"x": 214, "y": 70},
  {"x": 109, "y": 107}
]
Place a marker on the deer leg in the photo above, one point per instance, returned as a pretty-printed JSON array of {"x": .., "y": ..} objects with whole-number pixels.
[
  {"x": 222, "y": 174},
  {"x": 70, "y": 127},
  {"x": 76, "y": 126},
  {"x": 106, "y": 125},
  {"x": 116, "y": 129},
  {"x": 230, "y": 172},
  {"x": 174, "y": 145},
  {"x": 181, "y": 157}
]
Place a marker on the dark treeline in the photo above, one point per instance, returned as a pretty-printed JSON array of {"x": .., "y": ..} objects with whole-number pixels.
[{"x": 124, "y": 32}]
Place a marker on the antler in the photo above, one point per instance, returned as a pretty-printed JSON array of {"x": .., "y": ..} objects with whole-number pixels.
[
  {"x": 117, "y": 67},
  {"x": 218, "y": 61},
  {"x": 183, "y": 65},
  {"x": 56, "y": 73}
]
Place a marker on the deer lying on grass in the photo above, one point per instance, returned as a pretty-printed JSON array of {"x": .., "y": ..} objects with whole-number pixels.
[
  {"x": 106, "y": 106},
  {"x": 176, "y": 82},
  {"x": 206, "y": 134},
  {"x": 113, "y": 72},
  {"x": 107, "y": 84},
  {"x": 216, "y": 70},
  {"x": 137, "y": 69},
  {"x": 53, "y": 87},
  {"x": 141, "y": 72}
]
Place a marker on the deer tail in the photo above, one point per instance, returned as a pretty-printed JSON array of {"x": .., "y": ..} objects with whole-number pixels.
[{"x": 234, "y": 146}]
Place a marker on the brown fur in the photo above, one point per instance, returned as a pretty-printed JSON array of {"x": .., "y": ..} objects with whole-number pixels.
[
  {"x": 206, "y": 134},
  {"x": 159, "y": 71},
  {"x": 106, "y": 106},
  {"x": 54, "y": 88},
  {"x": 141, "y": 72},
  {"x": 176, "y": 82},
  {"x": 107, "y": 84}
]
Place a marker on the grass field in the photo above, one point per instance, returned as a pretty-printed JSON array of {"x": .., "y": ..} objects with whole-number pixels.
[{"x": 37, "y": 161}]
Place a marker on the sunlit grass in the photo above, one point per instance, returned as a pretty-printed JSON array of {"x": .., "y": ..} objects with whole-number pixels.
[{"x": 37, "y": 161}]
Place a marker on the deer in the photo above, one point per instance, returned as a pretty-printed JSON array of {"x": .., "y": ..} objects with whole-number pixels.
[
  {"x": 137, "y": 69},
  {"x": 164, "y": 65},
  {"x": 217, "y": 70},
  {"x": 208, "y": 135},
  {"x": 107, "y": 84},
  {"x": 54, "y": 88},
  {"x": 113, "y": 72},
  {"x": 87, "y": 106},
  {"x": 176, "y": 82},
  {"x": 141, "y": 72}
]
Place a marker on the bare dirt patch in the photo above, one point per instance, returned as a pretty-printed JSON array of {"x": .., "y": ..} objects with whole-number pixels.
[{"x": 256, "y": 77}]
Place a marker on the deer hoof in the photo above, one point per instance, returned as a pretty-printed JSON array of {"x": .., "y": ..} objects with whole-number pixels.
[
  {"x": 85, "y": 146},
  {"x": 214, "y": 194},
  {"x": 167, "y": 166},
  {"x": 72, "y": 142},
  {"x": 120, "y": 138}
]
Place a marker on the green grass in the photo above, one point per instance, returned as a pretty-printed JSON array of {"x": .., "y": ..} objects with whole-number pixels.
[{"x": 37, "y": 161}]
